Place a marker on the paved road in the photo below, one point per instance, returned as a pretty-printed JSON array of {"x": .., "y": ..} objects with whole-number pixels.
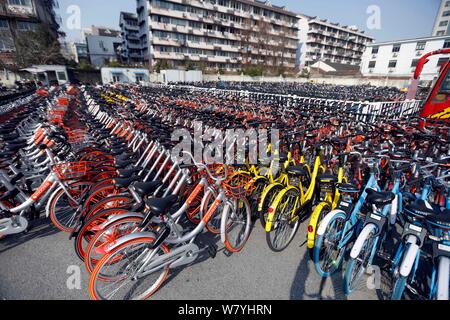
[{"x": 34, "y": 266}]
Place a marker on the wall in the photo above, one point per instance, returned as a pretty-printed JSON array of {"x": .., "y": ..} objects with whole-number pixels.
[
  {"x": 99, "y": 54},
  {"x": 349, "y": 81},
  {"x": 404, "y": 59},
  {"x": 180, "y": 76},
  {"x": 127, "y": 75}
]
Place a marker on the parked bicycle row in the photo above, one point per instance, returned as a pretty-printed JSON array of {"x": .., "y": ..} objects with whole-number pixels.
[
  {"x": 103, "y": 162},
  {"x": 317, "y": 90}
]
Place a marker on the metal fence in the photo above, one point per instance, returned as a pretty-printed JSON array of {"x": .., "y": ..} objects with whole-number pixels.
[{"x": 364, "y": 111}]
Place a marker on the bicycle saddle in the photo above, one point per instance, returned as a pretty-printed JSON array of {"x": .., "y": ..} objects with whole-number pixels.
[
  {"x": 125, "y": 183},
  {"x": 127, "y": 173},
  {"x": 347, "y": 188},
  {"x": 6, "y": 154},
  {"x": 299, "y": 171},
  {"x": 441, "y": 220},
  {"x": 121, "y": 164},
  {"x": 9, "y": 195},
  {"x": 144, "y": 189},
  {"x": 161, "y": 205},
  {"x": 379, "y": 198},
  {"x": 421, "y": 209}
]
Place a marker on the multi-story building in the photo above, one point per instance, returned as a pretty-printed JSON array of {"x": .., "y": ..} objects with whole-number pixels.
[
  {"x": 17, "y": 16},
  {"x": 333, "y": 42},
  {"x": 80, "y": 52},
  {"x": 229, "y": 35},
  {"x": 102, "y": 44},
  {"x": 398, "y": 59},
  {"x": 442, "y": 22},
  {"x": 131, "y": 43}
]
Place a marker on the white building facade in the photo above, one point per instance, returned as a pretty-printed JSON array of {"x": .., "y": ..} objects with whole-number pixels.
[
  {"x": 398, "y": 59},
  {"x": 124, "y": 75},
  {"x": 332, "y": 42},
  {"x": 442, "y": 22},
  {"x": 219, "y": 34}
]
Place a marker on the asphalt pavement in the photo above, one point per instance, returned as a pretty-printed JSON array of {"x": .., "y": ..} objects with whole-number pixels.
[{"x": 43, "y": 265}]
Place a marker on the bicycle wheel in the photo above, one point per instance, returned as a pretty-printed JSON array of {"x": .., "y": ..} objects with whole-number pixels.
[
  {"x": 119, "y": 201},
  {"x": 285, "y": 222},
  {"x": 86, "y": 232},
  {"x": 356, "y": 267},
  {"x": 256, "y": 197},
  {"x": 95, "y": 249},
  {"x": 328, "y": 254},
  {"x": 121, "y": 267},
  {"x": 64, "y": 212},
  {"x": 215, "y": 221},
  {"x": 267, "y": 200},
  {"x": 236, "y": 225}
]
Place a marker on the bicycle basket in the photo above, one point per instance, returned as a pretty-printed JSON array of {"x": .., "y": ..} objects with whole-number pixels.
[
  {"x": 71, "y": 170},
  {"x": 239, "y": 185}
]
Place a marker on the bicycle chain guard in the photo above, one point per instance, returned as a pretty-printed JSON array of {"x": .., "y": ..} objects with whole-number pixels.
[
  {"x": 377, "y": 220},
  {"x": 440, "y": 250},
  {"x": 413, "y": 230}
]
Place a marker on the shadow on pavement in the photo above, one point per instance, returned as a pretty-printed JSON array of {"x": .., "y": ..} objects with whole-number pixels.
[{"x": 41, "y": 228}]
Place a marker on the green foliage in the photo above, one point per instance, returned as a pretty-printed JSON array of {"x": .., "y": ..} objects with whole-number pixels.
[
  {"x": 84, "y": 65},
  {"x": 254, "y": 71},
  {"x": 189, "y": 65},
  {"x": 37, "y": 47},
  {"x": 161, "y": 65}
]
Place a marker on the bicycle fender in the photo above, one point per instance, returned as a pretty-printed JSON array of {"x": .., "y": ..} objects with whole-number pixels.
[
  {"x": 265, "y": 192},
  {"x": 50, "y": 200},
  {"x": 274, "y": 207},
  {"x": 359, "y": 243},
  {"x": 129, "y": 237},
  {"x": 443, "y": 279},
  {"x": 313, "y": 222},
  {"x": 326, "y": 220},
  {"x": 116, "y": 217},
  {"x": 410, "y": 257}
]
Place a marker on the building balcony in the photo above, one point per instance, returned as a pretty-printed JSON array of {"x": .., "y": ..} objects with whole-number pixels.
[{"x": 20, "y": 11}]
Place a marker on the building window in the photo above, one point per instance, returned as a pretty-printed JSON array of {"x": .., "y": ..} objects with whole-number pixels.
[
  {"x": 440, "y": 33},
  {"x": 26, "y": 3},
  {"x": 392, "y": 64},
  {"x": 447, "y": 3},
  {"x": 4, "y": 24},
  {"x": 446, "y": 14},
  {"x": 26, "y": 26},
  {"x": 441, "y": 61},
  {"x": 62, "y": 76},
  {"x": 396, "y": 48},
  {"x": 414, "y": 63},
  {"x": 447, "y": 44},
  {"x": 375, "y": 50},
  {"x": 420, "y": 45},
  {"x": 372, "y": 64},
  {"x": 443, "y": 23}
]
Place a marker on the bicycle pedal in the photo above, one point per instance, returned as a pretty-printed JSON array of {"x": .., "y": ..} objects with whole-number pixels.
[
  {"x": 212, "y": 251},
  {"x": 227, "y": 253}
]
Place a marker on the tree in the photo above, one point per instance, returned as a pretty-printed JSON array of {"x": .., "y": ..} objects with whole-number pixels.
[
  {"x": 161, "y": 65},
  {"x": 37, "y": 47}
]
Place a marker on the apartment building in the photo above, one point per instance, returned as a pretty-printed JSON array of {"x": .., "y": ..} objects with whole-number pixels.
[
  {"x": 227, "y": 35},
  {"x": 102, "y": 44},
  {"x": 131, "y": 44},
  {"x": 332, "y": 42},
  {"x": 17, "y": 16},
  {"x": 442, "y": 21},
  {"x": 398, "y": 59}
]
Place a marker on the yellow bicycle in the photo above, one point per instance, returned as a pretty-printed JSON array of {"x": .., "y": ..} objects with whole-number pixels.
[
  {"x": 329, "y": 200},
  {"x": 292, "y": 204}
]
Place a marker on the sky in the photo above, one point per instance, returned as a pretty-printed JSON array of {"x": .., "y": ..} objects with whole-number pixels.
[{"x": 399, "y": 19}]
